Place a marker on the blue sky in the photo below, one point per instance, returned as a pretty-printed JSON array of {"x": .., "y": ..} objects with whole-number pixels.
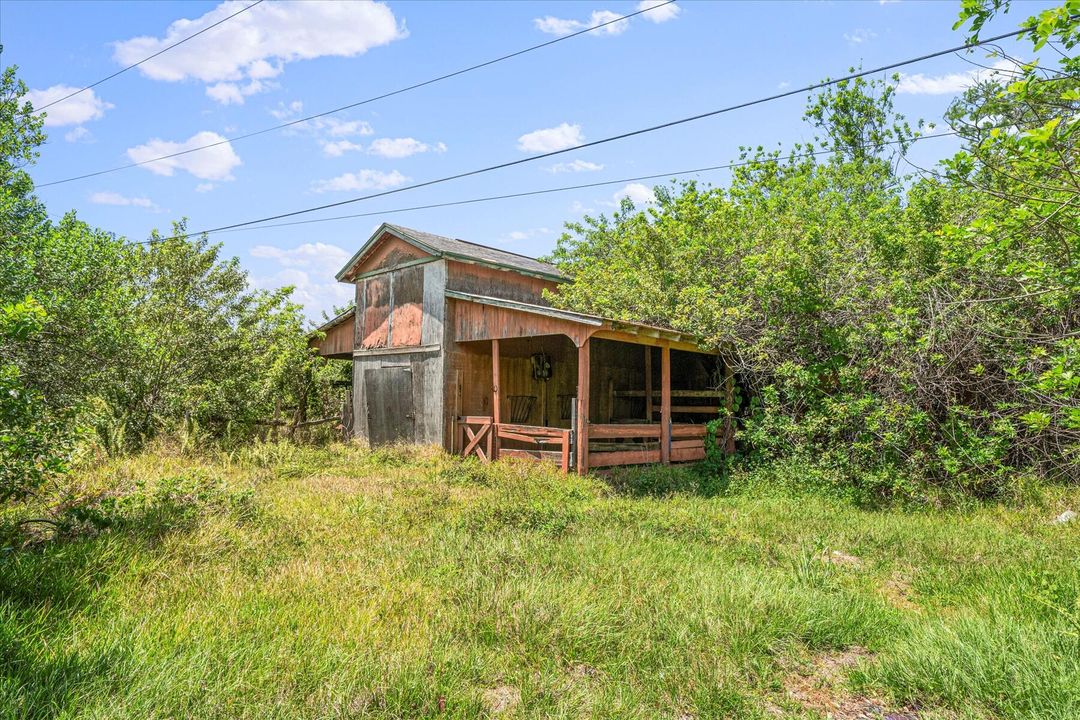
[{"x": 281, "y": 60}]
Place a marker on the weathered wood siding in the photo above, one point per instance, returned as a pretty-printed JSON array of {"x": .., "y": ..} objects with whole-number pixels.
[
  {"x": 389, "y": 252},
  {"x": 338, "y": 342},
  {"x": 475, "y": 321},
  {"x": 421, "y": 319},
  {"x": 492, "y": 282}
]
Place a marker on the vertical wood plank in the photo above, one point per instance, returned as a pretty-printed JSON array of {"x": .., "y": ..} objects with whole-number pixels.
[
  {"x": 583, "y": 409},
  {"x": 665, "y": 405},
  {"x": 729, "y": 405},
  {"x": 495, "y": 397},
  {"x": 648, "y": 383},
  {"x": 565, "y": 463}
]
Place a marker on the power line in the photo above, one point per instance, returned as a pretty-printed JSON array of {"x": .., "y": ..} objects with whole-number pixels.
[
  {"x": 613, "y": 138},
  {"x": 145, "y": 59},
  {"x": 548, "y": 191},
  {"x": 350, "y": 106}
]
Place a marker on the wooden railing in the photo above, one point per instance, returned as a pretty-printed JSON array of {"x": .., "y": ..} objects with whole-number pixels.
[
  {"x": 610, "y": 444},
  {"x": 540, "y": 438},
  {"x": 477, "y": 429},
  {"x": 546, "y": 443},
  {"x": 641, "y": 443}
]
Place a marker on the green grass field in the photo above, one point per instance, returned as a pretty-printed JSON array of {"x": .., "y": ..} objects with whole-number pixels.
[{"x": 285, "y": 582}]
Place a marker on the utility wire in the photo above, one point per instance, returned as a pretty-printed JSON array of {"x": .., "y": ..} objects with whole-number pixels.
[
  {"x": 145, "y": 59},
  {"x": 565, "y": 188},
  {"x": 548, "y": 191},
  {"x": 612, "y": 138},
  {"x": 350, "y": 106}
]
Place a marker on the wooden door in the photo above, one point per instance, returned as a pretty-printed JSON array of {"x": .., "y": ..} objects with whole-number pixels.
[{"x": 389, "y": 394}]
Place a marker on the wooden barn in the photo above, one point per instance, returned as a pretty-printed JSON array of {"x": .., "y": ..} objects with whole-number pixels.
[{"x": 454, "y": 343}]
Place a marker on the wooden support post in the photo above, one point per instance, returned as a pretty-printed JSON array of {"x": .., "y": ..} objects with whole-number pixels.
[
  {"x": 729, "y": 406},
  {"x": 495, "y": 400},
  {"x": 583, "y": 408},
  {"x": 648, "y": 383},
  {"x": 565, "y": 460},
  {"x": 665, "y": 405}
]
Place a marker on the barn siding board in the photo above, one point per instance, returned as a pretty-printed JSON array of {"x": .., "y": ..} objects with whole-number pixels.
[
  {"x": 481, "y": 280},
  {"x": 425, "y": 381},
  {"x": 407, "y": 296},
  {"x": 390, "y": 409},
  {"x": 377, "y": 304}
]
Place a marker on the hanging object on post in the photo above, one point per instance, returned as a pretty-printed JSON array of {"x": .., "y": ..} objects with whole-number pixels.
[{"x": 541, "y": 366}]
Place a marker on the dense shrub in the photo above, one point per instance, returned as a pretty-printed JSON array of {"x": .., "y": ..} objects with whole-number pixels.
[{"x": 891, "y": 330}]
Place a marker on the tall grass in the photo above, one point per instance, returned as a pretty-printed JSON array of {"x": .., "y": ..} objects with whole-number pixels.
[{"x": 289, "y": 582}]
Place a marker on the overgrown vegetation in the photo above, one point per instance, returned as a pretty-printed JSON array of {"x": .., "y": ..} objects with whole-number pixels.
[
  {"x": 279, "y": 581},
  {"x": 898, "y": 335},
  {"x": 107, "y": 344},
  {"x": 893, "y": 330}
]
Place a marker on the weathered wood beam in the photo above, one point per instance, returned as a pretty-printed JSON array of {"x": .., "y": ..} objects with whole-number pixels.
[
  {"x": 665, "y": 405},
  {"x": 495, "y": 399},
  {"x": 583, "y": 408},
  {"x": 648, "y": 383},
  {"x": 624, "y": 457},
  {"x": 629, "y": 430}
]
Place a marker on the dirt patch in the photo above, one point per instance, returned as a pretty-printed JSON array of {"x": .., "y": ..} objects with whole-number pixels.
[
  {"x": 582, "y": 671},
  {"x": 499, "y": 700},
  {"x": 897, "y": 590},
  {"x": 837, "y": 557},
  {"x": 818, "y": 685}
]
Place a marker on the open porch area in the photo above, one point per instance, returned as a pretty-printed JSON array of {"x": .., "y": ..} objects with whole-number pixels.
[{"x": 581, "y": 391}]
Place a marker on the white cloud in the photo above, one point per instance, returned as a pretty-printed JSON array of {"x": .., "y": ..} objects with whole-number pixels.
[
  {"x": 236, "y": 58},
  {"x": 551, "y": 139},
  {"x": 575, "y": 166},
  {"x": 519, "y": 235},
  {"x": 74, "y": 111},
  {"x": 335, "y": 127},
  {"x": 284, "y": 112},
  {"x": 559, "y": 26},
  {"x": 661, "y": 14},
  {"x": 337, "y": 148},
  {"x": 954, "y": 83},
  {"x": 858, "y": 36},
  {"x": 783, "y": 85},
  {"x": 638, "y": 193},
  {"x": 321, "y": 255},
  {"x": 214, "y": 163},
  {"x": 204, "y": 187},
  {"x": 79, "y": 134},
  {"x": 310, "y": 268},
  {"x": 112, "y": 198},
  {"x": 363, "y": 180},
  {"x": 402, "y": 147}
]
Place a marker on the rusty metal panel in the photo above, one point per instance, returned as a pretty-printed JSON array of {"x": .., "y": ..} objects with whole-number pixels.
[
  {"x": 376, "y": 312},
  {"x": 408, "y": 301}
]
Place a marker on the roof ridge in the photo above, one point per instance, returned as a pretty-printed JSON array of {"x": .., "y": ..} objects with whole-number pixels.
[{"x": 470, "y": 242}]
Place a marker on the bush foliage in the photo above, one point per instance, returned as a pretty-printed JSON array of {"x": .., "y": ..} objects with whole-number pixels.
[{"x": 890, "y": 328}]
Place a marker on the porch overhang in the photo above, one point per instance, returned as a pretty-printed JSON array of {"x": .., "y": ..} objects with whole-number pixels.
[{"x": 499, "y": 318}]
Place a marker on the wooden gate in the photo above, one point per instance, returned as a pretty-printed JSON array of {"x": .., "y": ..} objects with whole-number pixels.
[{"x": 389, "y": 392}]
